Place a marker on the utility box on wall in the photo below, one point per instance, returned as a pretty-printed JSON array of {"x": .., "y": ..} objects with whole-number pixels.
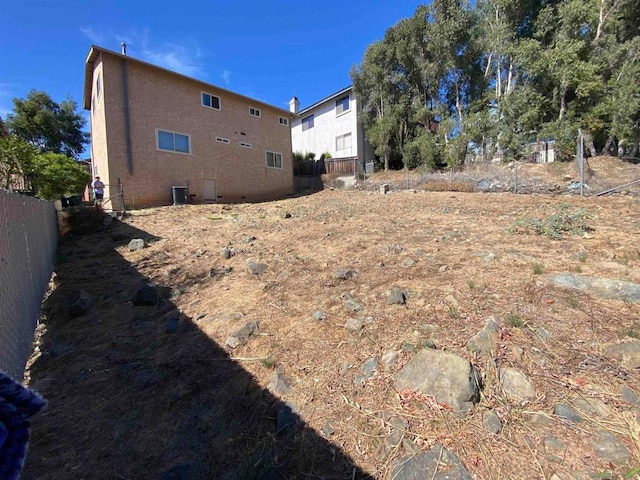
[{"x": 180, "y": 195}]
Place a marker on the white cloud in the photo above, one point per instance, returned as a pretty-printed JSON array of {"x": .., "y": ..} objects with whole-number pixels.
[
  {"x": 91, "y": 34},
  {"x": 226, "y": 77}
]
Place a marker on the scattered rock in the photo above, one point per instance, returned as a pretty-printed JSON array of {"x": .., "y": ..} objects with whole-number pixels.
[
  {"x": 319, "y": 315},
  {"x": 437, "y": 464},
  {"x": 279, "y": 383},
  {"x": 567, "y": 412},
  {"x": 516, "y": 385},
  {"x": 491, "y": 421},
  {"x": 345, "y": 274},
  {"x": 354, "y": 324},
  {"x": 241, "y": 336},
  {"x": 591, "y": 407},
  {"x": 485, "y": 341},
  {"x": 227, "y": 252},
  {"x": 443, "y": 268},
  {"x": 286, "y": 215},
  {"x": 396, "y": 297},
  {"x": 136, "y": 244},
  {"x": 408, "y": 262},
  {"x": 328, "y": 429},
  {"x": 248, "y": 239},
  {"x": 353, "y": 305},
  {"x": 257, "y": 268},
  {"x": 450, "y": 378},
  {"x": 396, "y": 426},
  {"x": 146, "y": 296},
  {"x": 543, "y": 334},
  {"x": 172, "y": 325},
  {"x": 79, "y": 303},
  {"x": 600, "y": 287},
  {"x": 628, "y": 354},
  {"x": 609, "y": 448},
  {"x": 538, "y": 418},
  {"x": 368, "y": 370},
  {"x": 389, "y": 359},
  {"x": 553, "y": 444},
  {"x": 628, "y": 396}
]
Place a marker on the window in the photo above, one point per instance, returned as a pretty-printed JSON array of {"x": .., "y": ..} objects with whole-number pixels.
[
  {"x": 222, "y": 140},
  {"x": 342, "y": 105},
  {"x": 343, "y": 142},
  {"x": 307, "y": 123},
  {"x": 210, "y": 101},
  {"x": 283, "y": 121},
  {"x": 254, "y": 112},
  {"x": 245, "y": 144},
  {"x": 98, "y": 86},
  {"x": 173, "y": 142},
  {"x": 274, "y": 160}
]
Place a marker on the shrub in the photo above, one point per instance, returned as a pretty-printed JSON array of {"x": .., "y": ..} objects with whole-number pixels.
[{"x": 563, "y": 221}]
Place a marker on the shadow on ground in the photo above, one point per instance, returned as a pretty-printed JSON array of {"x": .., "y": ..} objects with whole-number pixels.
[{"x": 139, "y": 392}]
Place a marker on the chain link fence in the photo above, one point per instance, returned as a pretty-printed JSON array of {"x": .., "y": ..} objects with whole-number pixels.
[{"x": 28, "y": 241}]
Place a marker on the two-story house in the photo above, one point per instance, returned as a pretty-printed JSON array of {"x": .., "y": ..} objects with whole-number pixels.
[
  {"x": 330, "y": 126},
  {"x": 153, "y": 129}
]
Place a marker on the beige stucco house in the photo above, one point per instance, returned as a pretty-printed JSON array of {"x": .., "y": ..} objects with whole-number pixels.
[{"x": 153, "y": 129}]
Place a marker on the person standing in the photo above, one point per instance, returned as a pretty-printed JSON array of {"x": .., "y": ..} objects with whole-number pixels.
[{"x": 98, "y": 191}]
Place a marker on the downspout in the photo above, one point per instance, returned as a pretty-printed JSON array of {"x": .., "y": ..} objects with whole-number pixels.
[{"x": 127, "y": 122}]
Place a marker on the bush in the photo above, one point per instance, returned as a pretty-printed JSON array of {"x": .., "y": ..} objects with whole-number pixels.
[{"x": 563, "y": 220}]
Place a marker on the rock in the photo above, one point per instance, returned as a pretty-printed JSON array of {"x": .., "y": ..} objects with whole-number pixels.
[
  {"x": 286, "y": 215},
  {"x": 257, "y": 268},
  {"x": 286, "y": 420},
  {"x": 485, "y": 341},
  {"x": 543, "y": 334},
  {"x": 248, "y": 239},
  {"x": 389, "y": 359},
  {"x": 136, "y": 244},
  {"x": 384, "y": 188},
  {"x": 345, "y": 274},
  {"x": 368, "y": 370},
  {"x": 328, "y": 429},
  {"x": 628, "y": 396},
  {"x": 435, "y": 464},
  {"x": 609, "y": 448},
  {"x": 397, "y": 426},
  {"x": 591, "y": 407},
  {"x": 354, "y": 324},
  {"x": 409, "y": 263},
  {"x": 279, "y": 383},
  {"x": 353, "y": 305},
  {"x": 226, "y": 252},
  {"x": 516, "y": 385},
  {"x": 396, "y": 297},
  {"x": 567, "y": 412},
  {"x": 450, "y": 378},
  {"x": 241, "y": 336},
  {"x": 600, "y": 287},
  {"x": 541, "y": 419},
  {"x": 553, "y": 444},
  {"x": 491, "y": 421},
  {"x": 172, "y": 325},
  {"x": 146, "y": 296},
  {"x": 628, "y": 354},
  {"x": 79, "y": 303},
  {"x": 488, "y": 257},
  {"x": 319, "y": 315},
  {"x": 443, "y": 268}
]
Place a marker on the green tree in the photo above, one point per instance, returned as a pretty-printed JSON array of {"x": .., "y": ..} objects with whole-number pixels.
[
  {"x": 57, "y": 175},
  {"x": 16, "y": 159},
  {"x": 47, "y": 125}
]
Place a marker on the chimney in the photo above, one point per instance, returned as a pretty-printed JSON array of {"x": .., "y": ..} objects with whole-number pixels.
[
  {"x": 124, "y": 48},
  {"x": 294, "y": 105}
]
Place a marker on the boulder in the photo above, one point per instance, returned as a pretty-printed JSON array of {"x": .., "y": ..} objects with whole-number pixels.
[
  {"x": 241, "y": 336},
  {"x": 600, "y": 287},
  {"x": 484, "y": 342},
  {"x": 450, "y": 378},
  {"x": 628, "y": 354},
  {"x": 516, "y": 385},
  {"x": 136, "y": 244},
  {"x": 79, "y": 303}
]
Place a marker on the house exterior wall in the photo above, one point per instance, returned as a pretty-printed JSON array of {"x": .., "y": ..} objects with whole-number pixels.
[
  {"x": 328, "y": 125},
  {"x": 162, "y": 100}
]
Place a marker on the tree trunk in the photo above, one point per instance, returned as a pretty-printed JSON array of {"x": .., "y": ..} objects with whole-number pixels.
[
  {"x": 386, "y": 159},
  {"x": 611, "y": 142},
  {"x": 592, "y": 148},
  {"x": 563, "y": 103}
]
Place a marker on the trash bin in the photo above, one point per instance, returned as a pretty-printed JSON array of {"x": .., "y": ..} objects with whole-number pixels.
[{"x": 180, "y": 195}]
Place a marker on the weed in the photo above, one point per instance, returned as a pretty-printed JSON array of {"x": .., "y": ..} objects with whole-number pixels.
[
  {"x": 453, "y": 312},
  {"x": 514, "y": 319},
  {"x": 538, "y": 269},
  {"x": 563, "y": 221},
  {"x": 471, "y": 284},
  {"x": 268, "y": 363},
  {"x": 573, "y": 302},
  {"x": 214, "y": 218},
  {"x": 633, "y": 331}
]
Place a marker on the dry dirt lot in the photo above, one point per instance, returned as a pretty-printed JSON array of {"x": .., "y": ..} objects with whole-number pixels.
[{"x": 135, "y": 394}]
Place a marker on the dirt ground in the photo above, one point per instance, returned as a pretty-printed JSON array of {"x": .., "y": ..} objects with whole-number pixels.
[{"x": 132, "y": 397}]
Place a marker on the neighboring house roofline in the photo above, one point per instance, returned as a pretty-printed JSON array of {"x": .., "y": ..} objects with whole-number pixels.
[
  {"x": 326, "y": 99},
  {"x": 95, "y": 50}
]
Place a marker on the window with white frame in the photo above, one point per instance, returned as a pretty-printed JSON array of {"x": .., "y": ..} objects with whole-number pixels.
[
  {"x": 173, "y": 141},
  {"x": 273, "y": 159},
  {"x": 245, "y": 144},
  {"x": 307, "y": 123},
  {"x": 254, "y": 112},
  {"x": 211, "y": 101},
  {"x": 343, "y": 144},
  {"x": 342, "y": 105},
  {"x": 283, "y": 121},
  {"x": 222, "y": 140}
]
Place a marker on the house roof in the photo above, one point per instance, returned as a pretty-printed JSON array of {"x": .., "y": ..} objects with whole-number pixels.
[
  {"x": 326, "y": 99},
  {"x": 95, "y": 51}
]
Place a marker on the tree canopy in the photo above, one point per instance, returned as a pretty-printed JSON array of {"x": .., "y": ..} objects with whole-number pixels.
[
  {"x": 497, "y": 74},
  {"x": 47, "y": 125}
]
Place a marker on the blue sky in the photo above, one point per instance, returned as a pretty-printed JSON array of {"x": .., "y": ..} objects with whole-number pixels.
[{"x": 269, "y": 50}]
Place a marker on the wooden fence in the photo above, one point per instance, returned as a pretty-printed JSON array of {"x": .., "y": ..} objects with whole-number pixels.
[{"x": 338, "y": 166}]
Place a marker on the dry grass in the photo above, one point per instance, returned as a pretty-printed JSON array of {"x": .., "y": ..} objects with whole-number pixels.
[{"x": 468, "y": 266}]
